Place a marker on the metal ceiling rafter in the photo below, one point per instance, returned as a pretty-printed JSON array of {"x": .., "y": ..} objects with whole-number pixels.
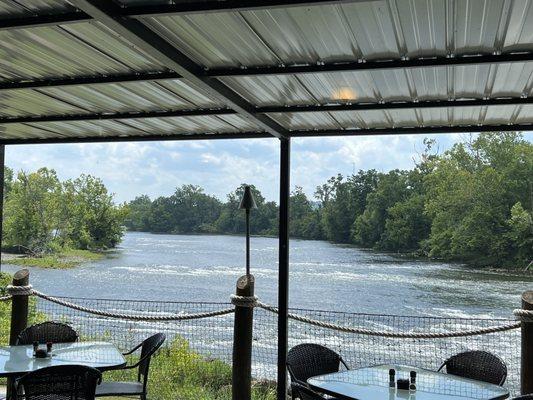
[
  {"x": 403, "y": 105},
  {"x": 411, "y": 131},
  {"x": 154, "y": 45},
  {"x": 348, "y": 66},
  {"x": 89, "y": 80},
  {"x": 138, "y": 138},
  {"x": 150, "y": 10},
  {"x": 261, "y": 135},
  {"x": 269, "y": 109},
  {"x": 372, "y": 65},
  {"x": 199, "y": 112}
]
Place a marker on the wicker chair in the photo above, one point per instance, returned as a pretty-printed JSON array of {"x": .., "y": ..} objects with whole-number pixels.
[
  {"x": 64, "y": 382},
  {"x": 479, "y": 365},
  {"x": 307, "y": 360},
  {"x": 148, "y": 348},
  {"x": 49, "y": 331},
  {"x": 304, "y": 392}
]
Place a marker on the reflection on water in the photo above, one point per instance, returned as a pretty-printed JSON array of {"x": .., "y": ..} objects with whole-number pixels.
[{"x": 323, "y": 275}]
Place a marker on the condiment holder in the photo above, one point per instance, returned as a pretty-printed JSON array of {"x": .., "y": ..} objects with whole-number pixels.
[{"x": 42, "y": 353}]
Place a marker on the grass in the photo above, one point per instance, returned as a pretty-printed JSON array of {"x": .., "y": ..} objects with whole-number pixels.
[
  {"x": 63, "y": 260},
  {"x": 177, "y": 372}
]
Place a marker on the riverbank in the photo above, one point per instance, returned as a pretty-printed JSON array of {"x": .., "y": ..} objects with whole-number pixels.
[{"x": 63, "y": 260}]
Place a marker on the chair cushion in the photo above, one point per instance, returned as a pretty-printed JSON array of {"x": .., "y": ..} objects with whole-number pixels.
[{"x": 119, "y": 388}]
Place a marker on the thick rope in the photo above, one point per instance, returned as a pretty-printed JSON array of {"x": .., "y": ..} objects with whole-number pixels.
[
  {"x": 243, "y": 301},
  {"x": 134, "y": 317},
  {"x": 252, "y": 301},
  {"x": 523, "y": 315},
  {"x": 399, "y": 335}
]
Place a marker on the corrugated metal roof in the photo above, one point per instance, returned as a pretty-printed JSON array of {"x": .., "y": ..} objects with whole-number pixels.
[
  {"x": 339, "y": 32},
  {"x": 31, "y": 7},
  {"x": 360, "y": 30},
  {"x": 104, "y": 98},
  {"x": 68, "y": 50}
]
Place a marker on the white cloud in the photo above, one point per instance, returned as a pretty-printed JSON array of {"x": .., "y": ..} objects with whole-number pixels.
[{"x": 157, "y": 168}]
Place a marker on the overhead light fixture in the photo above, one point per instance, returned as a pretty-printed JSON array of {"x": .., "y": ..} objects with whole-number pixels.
[{"x": 344, "y": 94}]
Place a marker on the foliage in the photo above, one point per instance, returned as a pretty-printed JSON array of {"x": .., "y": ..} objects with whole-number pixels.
[
  {"x": 34, "y": 316},
  {"x": 64, "y": 259},
  {"x": 43, "y": 215},
  {"x": 472, "y": 203},
  {"x": 179, "y": 372}
]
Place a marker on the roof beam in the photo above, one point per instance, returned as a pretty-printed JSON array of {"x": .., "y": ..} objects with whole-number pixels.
[
  {"x": 116, "y": 116},
  {"x": 88, "y": 80},
  {"x": 34, "y": 21},
  {"x": 137, "y": 138},
  {"x": 270, "y": 109},
  {"x": 404, "y": 105},
  {"x": 274, "y": 70},
  {"x": 206, "y": 6},
  {"x": 361, "y": 65},
  {"x": 151, "y": 10},
  {"x": 412, "y": 131},
  {"x": 260, "y": 135},
  {"x": 148, "y": 41}
]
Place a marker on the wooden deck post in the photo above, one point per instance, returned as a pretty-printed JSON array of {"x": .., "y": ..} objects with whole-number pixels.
[
  {"x": 19, "y": 306},
  {"x": 526, "y": 370},
  {"x": 241, "y": 382}
]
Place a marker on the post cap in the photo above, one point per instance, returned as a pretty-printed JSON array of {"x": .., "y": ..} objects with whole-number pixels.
[{"x": 247, "y": 201}]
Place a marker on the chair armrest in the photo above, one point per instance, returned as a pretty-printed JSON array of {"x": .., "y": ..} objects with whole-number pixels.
[
  {"x": 344, "y": 363},
  {"x": 132, "y": 350}
]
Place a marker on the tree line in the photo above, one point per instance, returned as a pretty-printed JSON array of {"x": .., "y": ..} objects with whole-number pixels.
[
  {"x": 44, "y": 215},
  {"x": 472, "y": 203}
]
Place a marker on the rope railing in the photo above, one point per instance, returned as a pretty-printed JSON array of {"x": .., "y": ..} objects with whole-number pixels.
[
  {"x": 252, "y": 301},
  {"x": 29, "y": 291}
]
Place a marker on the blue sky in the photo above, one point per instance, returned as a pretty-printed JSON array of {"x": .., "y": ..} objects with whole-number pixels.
[{"x": 157, "y": 168}]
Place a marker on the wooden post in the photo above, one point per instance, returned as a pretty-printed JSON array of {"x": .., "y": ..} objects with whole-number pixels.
[
  {"x": 241, "y": 382},
  {"x": 526, "y": 370},
  {"x": 19, "y": 316},
  {"x": 19, "y": 306}
]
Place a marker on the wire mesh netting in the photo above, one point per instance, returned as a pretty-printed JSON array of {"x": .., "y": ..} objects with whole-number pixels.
[{"x": 212, "y": 338}]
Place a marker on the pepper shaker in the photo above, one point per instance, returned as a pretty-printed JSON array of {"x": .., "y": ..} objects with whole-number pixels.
[
  {"x": 49, "y": 347},
  {"x": 392, "y": 378},
  {"x": 412, "y": 385}
]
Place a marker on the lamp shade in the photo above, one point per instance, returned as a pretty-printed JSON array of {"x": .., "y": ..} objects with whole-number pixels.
[{"x": 247, "y": 201}]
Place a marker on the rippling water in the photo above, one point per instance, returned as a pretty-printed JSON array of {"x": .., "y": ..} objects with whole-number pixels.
[{"x": 323, "y": 276}]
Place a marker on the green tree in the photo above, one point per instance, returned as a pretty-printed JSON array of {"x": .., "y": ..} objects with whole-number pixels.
[
  {"x": 370, "y": 225},
  {"x": 194, "y": 211},
  {"x": 31, "y": 211},
  {"x": 90, "y": 219},
  {"x": 138, "y": 214},
  {"x": 343, "y": 202},
  {"x": 471, "y": 193}
]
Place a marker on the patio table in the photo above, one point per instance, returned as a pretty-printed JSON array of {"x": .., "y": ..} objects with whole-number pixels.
[
  {"x": 372, "y": 383},
  {"x": 17, "y": 360}
]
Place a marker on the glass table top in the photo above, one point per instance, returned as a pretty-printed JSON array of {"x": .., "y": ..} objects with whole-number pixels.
[
  {"x": 16, "y": 360},
  {"x": 372, "y": 383}
]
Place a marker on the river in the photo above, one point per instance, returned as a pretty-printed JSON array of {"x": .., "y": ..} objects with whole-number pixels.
[{"x": 322, "y": 276}]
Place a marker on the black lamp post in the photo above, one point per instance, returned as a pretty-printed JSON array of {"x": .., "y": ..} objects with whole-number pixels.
[{"x": 247, "y": 203}]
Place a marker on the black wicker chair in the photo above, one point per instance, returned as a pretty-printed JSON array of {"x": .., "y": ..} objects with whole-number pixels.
[
  {"x": 64, "y": 382},
  {"x": 50, "y": 331},
  {"x": 148, "y": 348},
  {"x": 477, "y": 364},
  {"x": 307, "y": 360}
]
